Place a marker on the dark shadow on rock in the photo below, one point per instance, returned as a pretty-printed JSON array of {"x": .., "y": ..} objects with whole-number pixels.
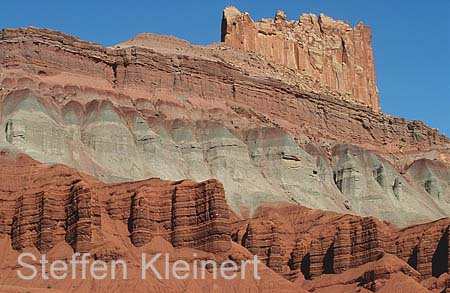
[
  {"x": 328, "y": 260},
  {"x": 412, "y": 260},
  {"x": 306, "y": 266},
  {"x": 440, "y": 257}
]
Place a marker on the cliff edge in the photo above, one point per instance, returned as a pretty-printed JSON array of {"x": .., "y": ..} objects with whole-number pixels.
[{"x": 329, "y": 50}]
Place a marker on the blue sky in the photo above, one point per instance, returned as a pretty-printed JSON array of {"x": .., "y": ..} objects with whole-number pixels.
[{"x": 411, "y": 39}]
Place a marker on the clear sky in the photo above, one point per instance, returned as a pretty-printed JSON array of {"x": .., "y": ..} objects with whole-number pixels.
[{"x": 411, "y": 39}]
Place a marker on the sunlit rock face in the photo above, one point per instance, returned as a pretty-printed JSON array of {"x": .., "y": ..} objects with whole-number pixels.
[
  {"x": 56, "y": 210},
  {"x": 102, "y": 141},
  {"x": 433, "y": 177},
  {"x": 146, "y": 109},
  {"x": 297, "y": 242},
  {"x": 256, "y": 166},
  {"x": 302, "y": 177},
  {"x": 371, "y": 185},
  {"x": 54, "y": 204},
  {"x": 331, "y": 51},
  {"x": 30, "y": 125}
]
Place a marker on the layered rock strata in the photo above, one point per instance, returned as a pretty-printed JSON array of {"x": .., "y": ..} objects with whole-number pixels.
[
  {"x": 331, "y": 51},
  {"x": 302, "y": 243},
  {"x": 297, "y": 125},
  {"x": 159, "y": 107},
  {"x": 55, "y": 210},
  {"x": 44, "y": 205}
]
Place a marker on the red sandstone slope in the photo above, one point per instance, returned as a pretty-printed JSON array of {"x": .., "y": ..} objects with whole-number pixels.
[
  {"x": 56, "y": 210},
  {"x": 183, "y": 109}
]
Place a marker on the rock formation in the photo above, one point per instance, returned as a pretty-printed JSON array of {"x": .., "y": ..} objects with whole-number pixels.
[
  {"x": 148, "y": 109},
  {"x": 157, "y": 145},
  {"x": 50, "y": 204},
  {"x": 296, "y": 241},
  {"x": 331, "y": 51},
  {"x": 55, "y": 210}
]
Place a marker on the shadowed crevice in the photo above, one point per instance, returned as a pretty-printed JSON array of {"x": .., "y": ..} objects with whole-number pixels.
[{"x": 440, "y": 257}]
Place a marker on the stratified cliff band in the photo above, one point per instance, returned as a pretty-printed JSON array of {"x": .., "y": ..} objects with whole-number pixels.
[
  {"x": 270, "y": 143},
  {"x": 331, "y": 51},
  {"x": 55, "y": 209},
  {"x": 159, "y": 107}
]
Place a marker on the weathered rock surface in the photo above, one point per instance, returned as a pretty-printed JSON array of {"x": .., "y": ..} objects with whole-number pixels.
[
  {"x": 56, "y": 210},
  {"x": 43, "y": 205},
  {"x": 300, "y": 243},
  {"x": 388, "y": 274},
  {"x": 331, "y": 51},
  {"x": 279, "y": 130},
  {"x": 432, "y": 176},
  {"x": 159, "y": 107}
]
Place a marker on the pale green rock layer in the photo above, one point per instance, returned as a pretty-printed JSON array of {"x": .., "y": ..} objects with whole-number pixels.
[{"x": 257, "y": 166}]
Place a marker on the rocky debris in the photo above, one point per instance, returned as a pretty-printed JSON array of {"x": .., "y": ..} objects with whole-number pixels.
[
  {"x": 331, "y": 51},
  {"x": 441, "y": 284}
]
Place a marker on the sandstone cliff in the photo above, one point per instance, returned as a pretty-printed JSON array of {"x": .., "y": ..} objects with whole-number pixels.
[
  {"x": 159, "y": 107},
  {"x": 331, "y": 51},
  {"x": 57, "y": 210},
  {"x": 271, "y": 143},
  {"x": 43, "y": 205},
  {"x": 299, "y": 242}
]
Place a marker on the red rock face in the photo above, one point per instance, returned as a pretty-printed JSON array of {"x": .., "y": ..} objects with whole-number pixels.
[
  {"x": 331, "y": 51},
  {"x": 93, "y": 108},
  {"x": 44, "y": 205},
  {"x": 145, "y": 108},
  {"x": 49, "y": 206},
  {"x": 301, "y": 243},
  {"x": 151, "y": 79}
]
